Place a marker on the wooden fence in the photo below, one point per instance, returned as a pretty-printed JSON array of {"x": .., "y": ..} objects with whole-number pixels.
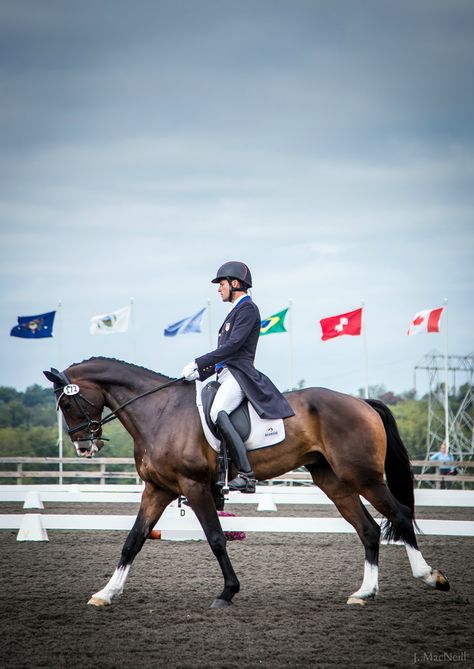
[
  {"x": 58, "y": 468},
  {"x": 20, "y": 469}
]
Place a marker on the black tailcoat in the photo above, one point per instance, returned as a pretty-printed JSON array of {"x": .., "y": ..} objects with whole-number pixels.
[{"x": 237, "y": 344}]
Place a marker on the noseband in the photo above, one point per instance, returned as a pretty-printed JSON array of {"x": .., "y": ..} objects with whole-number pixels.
[{"x": 94, "y": 426}]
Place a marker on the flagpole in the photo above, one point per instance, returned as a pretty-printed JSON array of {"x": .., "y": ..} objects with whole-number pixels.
[
  {"x": 366, "y": 363},
  {"x": 290, "y": 343},
  {"x": 209, "y": 321},
  {"x": 132, "y": 330},
  {"x": 60, "y": 333},
  {"x": 446, "y": 393},
  {"x": 60, "y": 415}
]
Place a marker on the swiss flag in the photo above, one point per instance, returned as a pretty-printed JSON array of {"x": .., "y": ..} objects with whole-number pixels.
[
  {"x": 344, "y": 324},
  {"x": 426, "y": 321}
]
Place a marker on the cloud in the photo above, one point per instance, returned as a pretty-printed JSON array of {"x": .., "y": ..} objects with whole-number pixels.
[{"x": 327, "y": 145}]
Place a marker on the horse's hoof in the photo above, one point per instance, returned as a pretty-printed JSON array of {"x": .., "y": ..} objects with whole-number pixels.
[
  {"x": 357, "y": 600},
  {"x": 442, "y": 582},
  {"x": 220, "y": 604},
  {"x": 97, "y": 601}
]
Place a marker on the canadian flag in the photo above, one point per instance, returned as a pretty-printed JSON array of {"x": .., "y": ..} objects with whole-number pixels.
[
  {"x": 426, "y": 321},
  {"x": 344, "y": 324}
]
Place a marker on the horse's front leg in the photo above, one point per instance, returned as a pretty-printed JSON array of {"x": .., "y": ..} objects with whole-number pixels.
[
  {"x": 201, "y": 501},
  {"x": 154, "y": 502}
]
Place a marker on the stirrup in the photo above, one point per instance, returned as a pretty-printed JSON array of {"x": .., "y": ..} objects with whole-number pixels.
[{"x": 243, "y": 483}]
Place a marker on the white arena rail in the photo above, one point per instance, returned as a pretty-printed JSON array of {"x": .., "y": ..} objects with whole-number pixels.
[
  {"x": 33, "y": 495},
  {"x": 178, "y": 523}
]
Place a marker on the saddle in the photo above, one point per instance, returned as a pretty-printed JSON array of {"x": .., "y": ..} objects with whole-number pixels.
[
  {"x": 240, "y": 417},
  {"x": 256, "y": 432}
]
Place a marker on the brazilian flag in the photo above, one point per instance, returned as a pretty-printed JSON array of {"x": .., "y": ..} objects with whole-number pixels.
[{"x": 273, "y": 324}]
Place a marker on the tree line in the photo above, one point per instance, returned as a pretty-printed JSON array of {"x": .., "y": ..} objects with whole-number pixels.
[
  {"x": 29, "y": 427},
  {"x": 28, "y": 422}
]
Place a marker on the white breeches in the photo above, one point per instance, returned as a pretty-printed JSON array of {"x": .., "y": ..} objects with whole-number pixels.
[{"x": 229, "y": 395}]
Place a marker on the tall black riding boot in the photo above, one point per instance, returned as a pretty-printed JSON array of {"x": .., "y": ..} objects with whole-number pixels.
[{"x": 244, "y": 481}]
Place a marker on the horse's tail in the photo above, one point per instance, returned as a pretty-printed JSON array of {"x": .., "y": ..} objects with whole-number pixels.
[{"x": 398, "y": 472}]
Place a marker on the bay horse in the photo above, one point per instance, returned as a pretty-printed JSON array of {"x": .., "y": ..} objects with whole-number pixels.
[{"x": 347, "y": 444}]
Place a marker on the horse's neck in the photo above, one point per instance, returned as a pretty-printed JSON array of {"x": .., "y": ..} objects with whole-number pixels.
[
  {"x": 118, "y": 377},
  {"x": 128, "y": 380},
  {"x": 120, "y": 382}
]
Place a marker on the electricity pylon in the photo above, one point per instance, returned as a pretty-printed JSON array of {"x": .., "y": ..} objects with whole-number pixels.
[{"x": 460, "y": 423}]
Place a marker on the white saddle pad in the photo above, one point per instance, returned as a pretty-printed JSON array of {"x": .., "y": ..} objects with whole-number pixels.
[{"x": 263, "y": 431}]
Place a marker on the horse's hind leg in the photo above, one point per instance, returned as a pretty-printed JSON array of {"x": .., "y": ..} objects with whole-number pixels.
[
  {"x": 350, "y": 507},
  {"x": 401, "y": 527},
  {"x": 154, "y": 502}
]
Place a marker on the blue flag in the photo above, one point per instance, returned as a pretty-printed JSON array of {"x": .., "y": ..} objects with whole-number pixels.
[
  {"x": 190, "y": 324},
  {"x": 34, "y": 327}
]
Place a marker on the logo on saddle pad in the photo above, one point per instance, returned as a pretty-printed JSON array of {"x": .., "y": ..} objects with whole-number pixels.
[{"x": 271, "y": 432}]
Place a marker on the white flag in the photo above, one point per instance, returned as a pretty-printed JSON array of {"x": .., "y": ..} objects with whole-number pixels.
[{"x": 115, "y": 321}]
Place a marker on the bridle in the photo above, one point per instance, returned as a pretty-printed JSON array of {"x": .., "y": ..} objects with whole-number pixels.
[{"x": 94, "y": 426}]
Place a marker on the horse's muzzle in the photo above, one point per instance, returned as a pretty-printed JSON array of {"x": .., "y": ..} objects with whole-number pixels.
[{"x": 87, "y": 449}]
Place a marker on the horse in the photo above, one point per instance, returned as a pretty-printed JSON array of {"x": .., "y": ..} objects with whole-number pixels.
[{"x": 346, "y": 443}]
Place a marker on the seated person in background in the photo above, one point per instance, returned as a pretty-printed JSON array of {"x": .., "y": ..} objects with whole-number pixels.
[{"x": 443, "y": 456}]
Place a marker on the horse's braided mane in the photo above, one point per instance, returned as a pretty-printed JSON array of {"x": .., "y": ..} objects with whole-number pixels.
[{"x": 122, "y": 362}]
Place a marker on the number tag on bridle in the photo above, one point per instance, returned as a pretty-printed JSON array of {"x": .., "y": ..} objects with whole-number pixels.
[{"x": 71, "y": 389}]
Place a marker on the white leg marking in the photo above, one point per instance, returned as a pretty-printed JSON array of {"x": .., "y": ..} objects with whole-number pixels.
[
  {"x": 113, "y": 588},
  {"x": 419, "y": 566},
  {"x": 369, "y": 587}
]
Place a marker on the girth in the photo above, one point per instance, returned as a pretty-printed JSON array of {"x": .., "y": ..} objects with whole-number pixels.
[{"x": 240, "y": 417}]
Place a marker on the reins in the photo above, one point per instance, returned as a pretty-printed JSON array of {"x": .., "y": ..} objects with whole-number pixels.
[{"x": 112, "y": 415}]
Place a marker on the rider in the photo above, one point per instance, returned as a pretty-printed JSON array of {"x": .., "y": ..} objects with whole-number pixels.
[{"x": 233, "y": 361}]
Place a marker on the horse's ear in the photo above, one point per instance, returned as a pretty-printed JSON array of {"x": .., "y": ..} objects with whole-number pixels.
[{"x": 54, "y": 376}]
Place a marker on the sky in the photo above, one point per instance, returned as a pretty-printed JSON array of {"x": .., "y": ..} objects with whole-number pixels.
[{"x": 328, "y": 145}]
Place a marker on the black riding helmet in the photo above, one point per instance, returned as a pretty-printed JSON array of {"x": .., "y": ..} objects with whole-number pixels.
[{"x": 234, "y": 269}]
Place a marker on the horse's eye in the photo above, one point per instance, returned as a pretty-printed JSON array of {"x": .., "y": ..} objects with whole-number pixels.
[{"x": 67, "y": 405}]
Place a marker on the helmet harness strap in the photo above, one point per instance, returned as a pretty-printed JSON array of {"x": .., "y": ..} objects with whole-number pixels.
[{"x": 239, "y": 289}]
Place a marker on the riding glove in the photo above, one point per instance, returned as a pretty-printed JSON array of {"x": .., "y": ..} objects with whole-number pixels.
[{"x": 190, "y": 371}]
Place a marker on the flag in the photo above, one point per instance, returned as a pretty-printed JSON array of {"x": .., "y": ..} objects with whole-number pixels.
[
  {"x": 186, "y": 325},
  {"x": 273, "y": 324},
  {"x": 344, "y": 324},
  {"x": 34, "y": 327},
  {"x": 426, "y": 321},
  {"x": 115, "y": 321}
]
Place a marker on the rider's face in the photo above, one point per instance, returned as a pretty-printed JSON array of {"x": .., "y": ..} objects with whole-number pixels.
[{"x": 224, "y": 290}]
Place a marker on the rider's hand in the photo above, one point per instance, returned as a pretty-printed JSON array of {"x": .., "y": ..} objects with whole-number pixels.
[{"x": 190, "y": 371}]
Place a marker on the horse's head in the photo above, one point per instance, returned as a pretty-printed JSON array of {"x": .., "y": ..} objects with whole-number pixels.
[{"x": 81, "y": 405}]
